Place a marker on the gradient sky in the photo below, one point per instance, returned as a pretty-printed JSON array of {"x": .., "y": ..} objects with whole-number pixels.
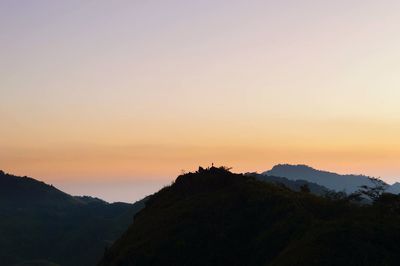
[{"x": 115, "y": 98}]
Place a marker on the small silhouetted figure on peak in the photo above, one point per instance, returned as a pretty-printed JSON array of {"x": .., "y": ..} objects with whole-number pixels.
[{"x": 213, "y": 168}]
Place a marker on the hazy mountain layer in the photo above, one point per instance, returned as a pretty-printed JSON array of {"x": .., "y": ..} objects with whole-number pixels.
[
  {"x": 395, "y": 188},
  {"x": 347, "y": 183},
  {"x": 295, "y": 185}
]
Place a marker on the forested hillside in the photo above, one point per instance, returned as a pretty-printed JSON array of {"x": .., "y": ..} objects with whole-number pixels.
[
  {"x": 215, "y": 217},
  {"x": 41, "y": 225}
]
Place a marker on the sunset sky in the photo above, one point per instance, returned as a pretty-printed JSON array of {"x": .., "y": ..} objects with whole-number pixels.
[{"x": 115, "y": 98}]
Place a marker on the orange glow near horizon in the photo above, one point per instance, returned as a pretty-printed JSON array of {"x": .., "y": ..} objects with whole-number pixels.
[{"x": 112, "y": 92}]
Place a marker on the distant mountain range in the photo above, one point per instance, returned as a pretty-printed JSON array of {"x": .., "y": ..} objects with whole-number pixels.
[
  {"x": 333, "y": 181},
  {"x": 394, "y": 188},
  {"x": 295, "y": 185},
  {"x": 41, "y": 225}
]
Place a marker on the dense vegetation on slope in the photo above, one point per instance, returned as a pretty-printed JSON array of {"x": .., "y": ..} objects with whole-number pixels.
[
  {"x": 41, "y": 225},
  {"x": 214, "y": 217}
]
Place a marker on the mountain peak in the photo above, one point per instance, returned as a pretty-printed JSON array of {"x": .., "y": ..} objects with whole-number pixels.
[
  {"x": 334, "y": 181},
  {"x": 215, "y": 217},
  {"x": 26, "y": 190},
  {"x": 297, "y": 167}
]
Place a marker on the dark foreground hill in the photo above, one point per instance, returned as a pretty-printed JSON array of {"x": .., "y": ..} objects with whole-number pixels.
[
  {"x": 41, "y": 225},
  {"x": 214, "y": 217}
]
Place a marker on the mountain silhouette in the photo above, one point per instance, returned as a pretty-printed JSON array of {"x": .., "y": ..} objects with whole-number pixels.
[
  {"x": 41, "y": 225},
  {"x": 394, "y": 188},
  {"x": 295, "y": 185},
  {"x": 337, "y": 182},
  {"x": 215, "y": 217}
]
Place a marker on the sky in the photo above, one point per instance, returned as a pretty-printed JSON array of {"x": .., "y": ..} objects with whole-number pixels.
[{"x": 116, "y": 98}]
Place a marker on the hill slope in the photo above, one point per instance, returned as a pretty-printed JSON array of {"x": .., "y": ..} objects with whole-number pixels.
[
  {"x": 214, "y": 217},
  {"x": 38, "y": 222}
]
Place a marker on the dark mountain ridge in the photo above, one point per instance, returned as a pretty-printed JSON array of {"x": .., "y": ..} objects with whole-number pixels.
[
  {"x": 39, "y": 223},
  {"x": 25, "y": 190},
  {"x": 215, "y": 217}
]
